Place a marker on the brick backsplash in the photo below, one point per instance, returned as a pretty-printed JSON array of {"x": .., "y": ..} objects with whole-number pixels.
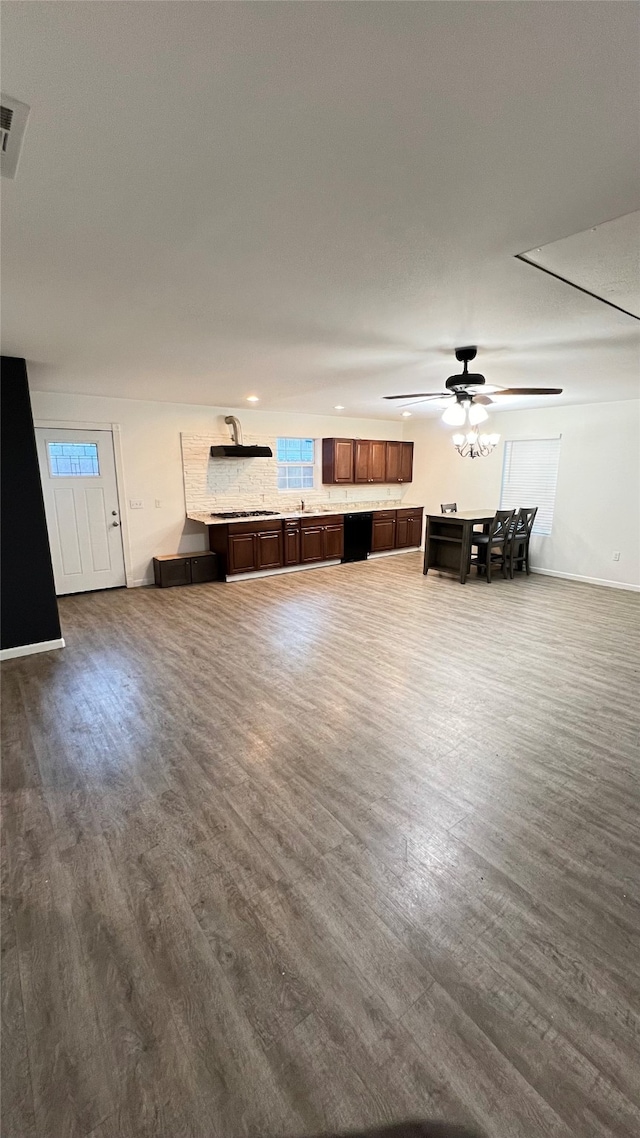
[{"x": 248, "y": 483}]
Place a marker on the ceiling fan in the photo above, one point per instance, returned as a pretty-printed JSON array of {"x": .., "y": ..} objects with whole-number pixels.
[{"x": 468, "y": 392}]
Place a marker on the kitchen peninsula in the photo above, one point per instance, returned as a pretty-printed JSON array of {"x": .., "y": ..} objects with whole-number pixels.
[{"x": 268, "y": 542}]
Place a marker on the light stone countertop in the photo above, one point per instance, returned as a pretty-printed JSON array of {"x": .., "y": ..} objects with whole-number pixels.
[{"x": 345, "y": 508}]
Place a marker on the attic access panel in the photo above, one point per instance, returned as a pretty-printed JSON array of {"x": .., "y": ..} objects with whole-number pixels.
[{"x": 603, "y": 261}]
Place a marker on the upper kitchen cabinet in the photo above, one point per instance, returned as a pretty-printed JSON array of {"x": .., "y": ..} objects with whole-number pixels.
[
  {"x": 337, "y": 460},
  {"x": 399, "y": 462},
  {"x": 350, "y": 461},
  {"x": 369, "y": 460}
]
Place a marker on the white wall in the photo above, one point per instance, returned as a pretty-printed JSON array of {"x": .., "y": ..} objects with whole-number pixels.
[
  {"x": 598, "y": 494},
  {"x": 152, "y": 459}
]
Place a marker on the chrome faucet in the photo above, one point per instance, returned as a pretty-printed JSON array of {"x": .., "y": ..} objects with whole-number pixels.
[{"x": 302, "y": 505}]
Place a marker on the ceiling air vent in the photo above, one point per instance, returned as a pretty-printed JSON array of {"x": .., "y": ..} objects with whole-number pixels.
[{"x": 13, "y": 123}]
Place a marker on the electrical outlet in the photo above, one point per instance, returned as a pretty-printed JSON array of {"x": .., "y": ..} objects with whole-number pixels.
[
  {"x": 616, "y": 555},
  {"x": 136, "y": 504}
]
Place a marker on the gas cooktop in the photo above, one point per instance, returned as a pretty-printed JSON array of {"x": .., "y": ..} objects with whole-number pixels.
[{"x": 245, "y": 514}]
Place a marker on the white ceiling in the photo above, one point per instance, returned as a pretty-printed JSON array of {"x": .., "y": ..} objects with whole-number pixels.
[{"x": 314, "y": 202}]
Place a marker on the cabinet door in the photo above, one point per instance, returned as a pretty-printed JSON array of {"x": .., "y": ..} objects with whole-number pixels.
[
  {"x": 337, "y": 460},
  {"x": 311, "y": 544},
  {"x": 402, "y": 533},
  {"x": 383, "y": 535},
  {"x": 203, "y": 568},
  {"x": 291, "y": 545},
  {"x": 241, "y": 552},
  {"x": 361, "y": 460},
  {"x": 414, "y": 530},
  {"x": 394, "y": 462},
  {"x": 343, "y": 460},
  {"x": 333, "y": 541},
  {"x": 269, "y": 549},
  {"x": 406, "y": 463},
  {"x": 377, "y": 461}
]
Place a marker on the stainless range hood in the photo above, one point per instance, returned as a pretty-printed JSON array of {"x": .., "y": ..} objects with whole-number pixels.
[{"x": 237, "y": 449}]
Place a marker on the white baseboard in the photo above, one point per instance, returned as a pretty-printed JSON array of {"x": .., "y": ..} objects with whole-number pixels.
[
  {"x": 279, "y": 572},
  {"x": 30, "y": 649},
  {"x": 394, "y": 552},
  {"x": 137, "y": 583},
  {"x": 586, "y": 580}
]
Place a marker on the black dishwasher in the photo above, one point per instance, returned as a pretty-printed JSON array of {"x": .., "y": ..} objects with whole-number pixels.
[{"x": 357, "y": 535}]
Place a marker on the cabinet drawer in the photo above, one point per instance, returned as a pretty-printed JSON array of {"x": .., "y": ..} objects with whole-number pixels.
[
  {"x": 410, "y": 512},
  {"x": 314, "y": 520},
  {"x": 383, "y": 515},
  {"x": 255, "y": 526}
]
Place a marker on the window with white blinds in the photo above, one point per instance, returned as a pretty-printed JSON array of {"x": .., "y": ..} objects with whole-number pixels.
[{"x": 529, "y": 478}]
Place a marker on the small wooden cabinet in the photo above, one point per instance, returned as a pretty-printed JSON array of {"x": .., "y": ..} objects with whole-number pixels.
[
  {"x": 337, "y": 460},
  {"x": 366, "y": 460},
  {"x": 178, "y": 569}
]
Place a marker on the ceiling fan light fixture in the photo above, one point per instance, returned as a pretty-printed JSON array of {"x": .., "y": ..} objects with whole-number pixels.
[
  {"x": 455, "y": 415},
  {"x": 477, "y": 414}
]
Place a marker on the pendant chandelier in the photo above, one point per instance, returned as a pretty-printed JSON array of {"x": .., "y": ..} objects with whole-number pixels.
[{"x": 471, "y": 444}]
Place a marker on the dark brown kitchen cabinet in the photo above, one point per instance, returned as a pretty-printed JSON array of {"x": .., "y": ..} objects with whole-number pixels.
[
  {"x": 311, "y": 544},
  {"x": 291, "y": 550},
  {"x": 399, "y": 462},
  {"x": 383, "y": 531},
  {"x": 321, "y": 538},
  {"x": 269, "y": 549},
  {"x": 366, "y": 460},
  {"x": 178, "y": 569},
  {"x": 242, "y": 553},
  {"x": 370, "y": 460},
  {"x": 408, "y": 528},
  {"x": 333, "y": 541},
  {"x": 337, "y": 460}
]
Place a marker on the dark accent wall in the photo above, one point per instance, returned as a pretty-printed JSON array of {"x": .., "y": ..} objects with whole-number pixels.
[{"x": 29, "y": 611}]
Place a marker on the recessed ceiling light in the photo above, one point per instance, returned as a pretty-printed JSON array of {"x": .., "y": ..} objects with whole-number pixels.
[
  {"x": 406, "y": 414},
  {"x": 253, "y": 399},
  {"x": 338, "y": 407}
]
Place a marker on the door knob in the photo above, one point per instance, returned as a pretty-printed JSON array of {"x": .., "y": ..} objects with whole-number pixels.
[
  {"x": 115, "y": 524},
  {"x": 114, "y": 513}
]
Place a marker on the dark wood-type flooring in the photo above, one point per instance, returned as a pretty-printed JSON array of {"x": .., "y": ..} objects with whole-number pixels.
[{"x": 323, "y": 851}]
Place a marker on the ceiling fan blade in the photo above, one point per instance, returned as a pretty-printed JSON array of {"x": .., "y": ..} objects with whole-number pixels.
[
  {"x": 421, "y": 395},
  {"x": 482, "y": 399},
  {"x": 529, "y": 391}
]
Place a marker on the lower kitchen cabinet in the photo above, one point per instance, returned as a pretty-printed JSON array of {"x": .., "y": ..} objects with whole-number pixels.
[
  {"x": 269, "y": 549},
  {"x": 242, "y": 553},
  {"x": 383, "y": 531},
  {"x": 408, "y": 528},
  {"x": 291, "y": 549},
  {"x": 321, "y": 538},
  {"x": 311, "y": 544}
]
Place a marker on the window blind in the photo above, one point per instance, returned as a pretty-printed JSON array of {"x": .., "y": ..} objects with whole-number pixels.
[{"x": 529, "y": 478}]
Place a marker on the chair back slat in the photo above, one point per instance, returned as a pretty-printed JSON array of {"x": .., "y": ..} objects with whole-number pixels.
[
  {"x": 449, "y": 508},
  {"x": 524, "y": 522},
  {"x": 501, "y": 526}
]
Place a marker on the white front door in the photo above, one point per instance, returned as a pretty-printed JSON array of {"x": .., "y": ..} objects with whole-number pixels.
[{"x": 83, "y": 513}]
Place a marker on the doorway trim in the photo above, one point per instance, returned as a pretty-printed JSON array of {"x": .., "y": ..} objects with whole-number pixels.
[{"x": 93, "y": 425}]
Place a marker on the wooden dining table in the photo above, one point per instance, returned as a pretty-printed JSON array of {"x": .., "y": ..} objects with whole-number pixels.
[{"x": 447, "y": 545}]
